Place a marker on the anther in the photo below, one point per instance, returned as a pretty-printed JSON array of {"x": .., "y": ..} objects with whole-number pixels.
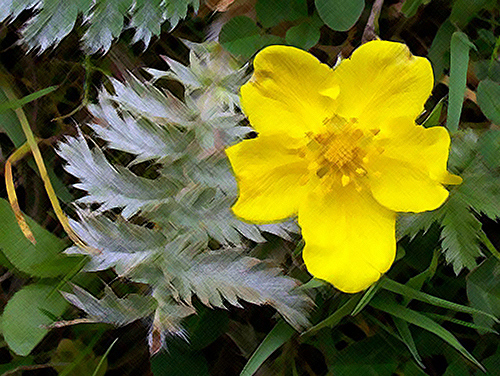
[
  {"x": 360, "y": 171},
  {"x": 345, "y": 180}
]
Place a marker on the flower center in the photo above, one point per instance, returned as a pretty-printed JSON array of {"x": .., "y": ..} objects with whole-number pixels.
[{"x": 337, "y": 156}]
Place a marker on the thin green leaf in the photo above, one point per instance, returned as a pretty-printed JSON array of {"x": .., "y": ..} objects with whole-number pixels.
[
  {"x": 482, "y": 329},
  {"x": 338, "y": 315},
  {"x": 408, "y": 292},
  {"x": 11, "y": 105},
  {"x": 80, "y": 355},
  {"x": 433, "y": 118},
  {"x": 439, "y": 50},
  {"x": 281, "y": 333},
  {"x": 424, "y": 322},
  {"x": 483, "y": 290},
  {"x": 404, "y": 331},
  {"x": 460, "y": 46},
  {"x": 9, "y": 123},
  {"x": 418, "y": 281},
  {"x": 103, "y": 358},
  {"x": 367, "y": 296}
]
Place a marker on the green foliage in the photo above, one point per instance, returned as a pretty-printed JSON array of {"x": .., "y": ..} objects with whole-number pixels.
[
  {"x": 9, "y": 123},
  {"x": 459, "y": 236},
  {"x": 187, "y": 198},
  {"x": 111, "y": 309},
  {"x": 242, "y": 37},
  {"x": 28, "y": 313},
  {"x": 155, "y": 193},
  {"x": 460, "y": 46},
  {"x": 424, "y": 322},
  {"x": 272, "y": 12},
  {"x": 463, "y": 10},
  {"x": 483, "y": 290},
  {"x": 488, "y": 93},
  {"x": 70, "y": 352},
  {"x": 410, "y": 7},
  {"x": 489, "y": 147},
  {"x": 487, "y": 69},
  {"x": 440, "y": 49},
  {"x": 280, "y": 334},
  {"x": 410, "y": 293},
  {"x": 104, "y": 20},
  {"x": 203, "y": 328},
  {"x": 43, "y": 259},
  {"x": 366, "y": 357},
  {"x": 338, "y": 14},
  {"x": 10, "y": 105},
  {"x": 179, "y": 362},
  {"x": 304, "y": 35}
]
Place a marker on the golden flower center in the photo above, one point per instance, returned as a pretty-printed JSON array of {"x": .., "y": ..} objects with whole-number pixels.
[{"x": 337, "y": 155}]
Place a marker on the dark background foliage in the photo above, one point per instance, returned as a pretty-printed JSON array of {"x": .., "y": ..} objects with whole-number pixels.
[{"x": 455, "y": 256}]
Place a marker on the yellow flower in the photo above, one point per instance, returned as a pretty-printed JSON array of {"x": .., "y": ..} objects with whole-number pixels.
[{"x": 340, "y": 149}]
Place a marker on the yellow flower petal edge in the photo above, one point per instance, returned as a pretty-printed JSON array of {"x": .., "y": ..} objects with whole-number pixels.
[
  {"x": 349, "y": 238},
  {"x": 383, "y": 80},
  {"x": 267, "y": 185},
  {"x": 340, "y": 149},
  {"x": 290, "y": 92}
]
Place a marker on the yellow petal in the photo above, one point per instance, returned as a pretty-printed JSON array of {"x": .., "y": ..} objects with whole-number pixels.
[
  {"x": 401, "y": 187},
  {"x": 383, "y": 80},
  {"x": 290, "y": 92},
  {"x": 350, "y": 238},
  {"x": 427, "y": 149},
  {"x": 267, "y": 172},
  {"x": 409, "y": 174}
]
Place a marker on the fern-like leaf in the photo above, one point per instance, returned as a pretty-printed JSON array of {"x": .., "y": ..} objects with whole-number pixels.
[
  {"x": 460, "y": 235},
  {"x": 217, "y": 276},
  {"x": 112, "y": 186},
  {"x": 137, "y": 136},
  {"x": 55, "y": 20},
  {"x": 111, "y": 309},
  {"x": 103, "y": 20},
  {"x": 122, "y": 245}
]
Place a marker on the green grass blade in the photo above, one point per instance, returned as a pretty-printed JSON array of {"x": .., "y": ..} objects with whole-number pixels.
[
  {"x": 460, "y": 46},
  {"x": 404, "y": 331},
  {"x": 338, "y": 315},
  {"x": 460, "y": 322},
  {"x": 101, "y": 361},
  {"x": 281, "y": 333},
  {"x": 423, "y": 322},
  {"x": 410, "y": 293},
  {"x": 367, "y": 296},
  {"x": 67, "y": 371},
  {"x": 13, "y": 104}
]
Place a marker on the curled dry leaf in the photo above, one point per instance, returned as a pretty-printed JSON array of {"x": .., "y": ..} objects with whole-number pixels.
[{"x": 219, "y": 5}]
